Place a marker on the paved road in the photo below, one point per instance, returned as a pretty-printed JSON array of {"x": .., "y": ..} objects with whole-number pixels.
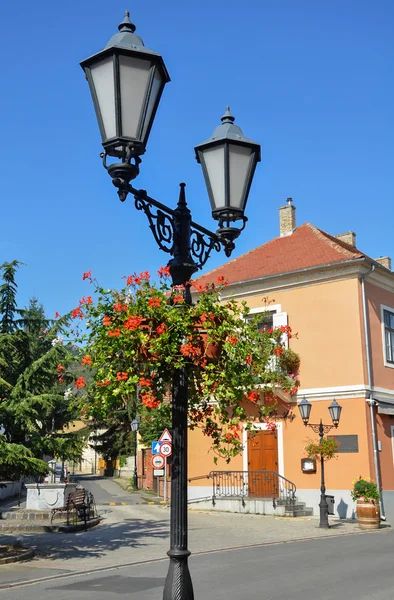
[
  {"x": 133, "y": 533},
  {"x": 323, "y": 569}
]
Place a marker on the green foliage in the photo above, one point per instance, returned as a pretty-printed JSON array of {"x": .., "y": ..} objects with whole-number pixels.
[
  {"x": 16, "y": 460},
  {"x": 33, "y": 381},
  {"x": 139, "y": 336},
  {"x": 326, "y": 448},
  {"x": 8, "y": 291},
  {"x": 364, "y": 488}
]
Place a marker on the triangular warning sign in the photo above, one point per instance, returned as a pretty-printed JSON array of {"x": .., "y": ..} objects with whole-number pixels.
[{"x": 165, "y": 436}]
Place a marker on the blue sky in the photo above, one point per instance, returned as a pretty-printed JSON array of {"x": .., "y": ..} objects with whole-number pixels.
[{"x": 312, "y": 82}]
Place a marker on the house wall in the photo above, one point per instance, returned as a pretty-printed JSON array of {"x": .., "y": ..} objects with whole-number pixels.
[
  {"x": 382, "y": 376},
  {"x": 325, "y": 318}
]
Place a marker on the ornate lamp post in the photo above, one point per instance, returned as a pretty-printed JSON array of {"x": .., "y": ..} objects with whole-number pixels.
[
  {"x": 134, "y": 428},
  {"x": 335, "y": 409},
  {"x": 126, "y": 81}
]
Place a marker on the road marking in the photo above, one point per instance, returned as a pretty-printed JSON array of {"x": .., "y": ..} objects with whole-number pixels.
[
  {"x": 112, "y": 503},
  {"x": 124, "y": 503}
]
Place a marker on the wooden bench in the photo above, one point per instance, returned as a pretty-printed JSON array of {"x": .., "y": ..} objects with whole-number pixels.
[{"x": 76, "y": 502}]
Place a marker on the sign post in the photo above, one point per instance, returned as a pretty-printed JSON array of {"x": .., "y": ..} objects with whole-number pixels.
[{"x": 165, "y": 439}]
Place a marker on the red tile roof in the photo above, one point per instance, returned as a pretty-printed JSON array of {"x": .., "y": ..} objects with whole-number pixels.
[{"x": 306, "y": 247}]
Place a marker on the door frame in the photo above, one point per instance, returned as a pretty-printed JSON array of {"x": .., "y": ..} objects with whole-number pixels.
[{"x": 262, "y": 427}]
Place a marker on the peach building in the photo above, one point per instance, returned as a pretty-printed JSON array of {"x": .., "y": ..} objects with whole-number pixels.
[{"x": 340, "y": 304}]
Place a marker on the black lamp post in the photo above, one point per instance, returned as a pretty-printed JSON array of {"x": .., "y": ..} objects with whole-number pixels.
[
  {"x": 134, "y": 429},
  {"x": 335, "y": 409},
  {"x": 126, "y": 81}
]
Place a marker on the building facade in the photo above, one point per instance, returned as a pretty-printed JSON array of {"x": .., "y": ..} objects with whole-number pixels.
[{"x": 339, "y": 304}]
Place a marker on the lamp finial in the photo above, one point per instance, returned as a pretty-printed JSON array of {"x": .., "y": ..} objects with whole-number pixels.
[{"x": 126, "y": 24}]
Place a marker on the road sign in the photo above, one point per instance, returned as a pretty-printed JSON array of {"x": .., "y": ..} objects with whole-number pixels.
[
  {"x": 165, "y": 436},
  {"x": 166, "y": 449},
  {"x": 157, "y": 461},
  {"x": 156, "y": 447},
  {"x": 158, "y": 472}
]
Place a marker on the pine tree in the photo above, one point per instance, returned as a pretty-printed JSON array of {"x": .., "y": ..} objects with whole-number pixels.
[{"x": 34, "y": 376}]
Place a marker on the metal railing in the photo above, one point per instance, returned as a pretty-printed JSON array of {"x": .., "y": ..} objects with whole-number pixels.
[{"x": 252, "y": 484}]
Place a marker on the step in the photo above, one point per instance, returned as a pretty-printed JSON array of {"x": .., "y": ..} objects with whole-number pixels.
[{"x": 302, "y": 512}]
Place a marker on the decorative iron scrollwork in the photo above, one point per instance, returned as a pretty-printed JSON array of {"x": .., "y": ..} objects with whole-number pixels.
[{"x": 160, "y": 223}]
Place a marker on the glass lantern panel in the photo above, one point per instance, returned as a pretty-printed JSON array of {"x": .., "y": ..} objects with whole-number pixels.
[
  {"x": 157, "y": 84},
  {"x": 134, "y": 80},
  {"x": 102, "y": 74},
  {"x": 214, "y": 164},
  {"x": 240, "y": 162}
]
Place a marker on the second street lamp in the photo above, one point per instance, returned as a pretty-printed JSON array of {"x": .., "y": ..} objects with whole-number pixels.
[
  {"x": 335, "y": 409},
  {"x": 126, "y": 81}
]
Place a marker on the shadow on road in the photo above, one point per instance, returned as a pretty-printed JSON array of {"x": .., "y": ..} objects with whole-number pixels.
[{"x": 132, "y": 533}]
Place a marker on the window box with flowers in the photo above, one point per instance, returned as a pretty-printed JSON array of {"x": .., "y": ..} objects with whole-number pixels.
[{"x": 136, "y": 338}]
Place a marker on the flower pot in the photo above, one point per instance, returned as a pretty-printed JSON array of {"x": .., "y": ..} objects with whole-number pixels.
[
  {"x": 210, "y": 349},
  {"x": 368, "y": 514}
]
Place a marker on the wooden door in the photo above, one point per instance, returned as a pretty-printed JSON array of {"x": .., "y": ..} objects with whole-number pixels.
[{"x": 263, "y": 456}]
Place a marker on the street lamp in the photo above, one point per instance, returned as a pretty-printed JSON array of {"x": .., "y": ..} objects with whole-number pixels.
[
  {"x": 134, "y": 429},
  {"x": 335, "y": 409},
  {"x": 126, "y": 82}
]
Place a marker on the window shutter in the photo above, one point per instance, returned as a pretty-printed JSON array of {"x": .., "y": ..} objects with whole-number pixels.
[{"x": 279, "y": 320}]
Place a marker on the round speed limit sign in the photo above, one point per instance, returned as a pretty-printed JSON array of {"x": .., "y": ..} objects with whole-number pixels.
[{"x": 166, "y": 449}]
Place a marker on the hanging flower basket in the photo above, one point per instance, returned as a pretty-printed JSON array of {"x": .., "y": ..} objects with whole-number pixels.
[{"x": 137, "y": 338}]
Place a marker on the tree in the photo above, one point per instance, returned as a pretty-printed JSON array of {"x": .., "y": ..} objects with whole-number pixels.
[{"x": 34, "y": 375}]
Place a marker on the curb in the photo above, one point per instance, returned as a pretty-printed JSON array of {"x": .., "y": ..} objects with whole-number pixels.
[
  {"x": 19, "y": 557},
  {"x": 21, "y": 528}
]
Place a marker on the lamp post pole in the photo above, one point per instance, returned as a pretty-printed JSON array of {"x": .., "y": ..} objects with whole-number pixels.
[
  {"x": 335, "y": 412},
  {"x": 134, "y": 429},
  {"x": 126, "y": 81}
]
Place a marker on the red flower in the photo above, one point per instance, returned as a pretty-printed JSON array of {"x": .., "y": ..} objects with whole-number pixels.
[
  {"x": 84, "y": 300},
  {"x": 232, "y": 339},
  {"x": 86, "y": 360},
  {"x": 57, "y": 315},
  {"x": 189, "y": 350},
  {"x": 164, "y": 272},
  {"x": 133, "y": 323},
  {"x": 122, "y": 376},
  {"x": 143, "y": 382},
  {"x": 103, "y": 383},
  {"x": 87, "y": 275},
  {"x": 119, "y": 307},
  {"x": 130, "y": 280},
  {"x": 253, "y": 396},
  {"x": 114, "y": 332},
  {"x": 107, "y": 321},
  {"x": 154, "y": 302},
  {"x": 144, "y": 275},
  {"x": 162, "y": 328},
  {"x": 271, "y": 426},
  {"x": 77, "y": 312},
  {"x": 178, "y": 298},
  {"x": 149, "y": 400},
  {"x": 80, "y": 382},
  {"x": 221, "y": 280},
  {"x": 278, "y": 351},
  {"x": 60, "y": 368},
  {"x": 248, "y": 359}
]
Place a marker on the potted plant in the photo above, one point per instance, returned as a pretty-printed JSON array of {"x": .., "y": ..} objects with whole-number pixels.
[
  {"x": 136, "y": 337},
  {"x": 366, "y": 495}
]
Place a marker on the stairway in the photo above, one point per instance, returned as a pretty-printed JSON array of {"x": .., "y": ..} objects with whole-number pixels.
[{"x": 295, "y": 508}]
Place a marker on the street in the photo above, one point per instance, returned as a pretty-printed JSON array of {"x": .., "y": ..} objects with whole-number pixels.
[{"x": 126, "y": 555}]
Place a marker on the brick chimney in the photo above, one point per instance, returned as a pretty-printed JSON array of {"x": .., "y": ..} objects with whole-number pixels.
[
  {"x": 385, "y": 261},
  {"x": 287, "y": 218},
  {"x": 349, "y": 238}
]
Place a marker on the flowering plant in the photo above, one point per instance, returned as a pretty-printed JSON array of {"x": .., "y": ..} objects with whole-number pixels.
[
  {"x": 138, "y": 336},
  {"x": 364, "y": 488},
  {"x": 326, "y": 448}
]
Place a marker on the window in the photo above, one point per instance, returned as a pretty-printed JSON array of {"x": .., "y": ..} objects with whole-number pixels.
[{"x": 388, "y": 319}]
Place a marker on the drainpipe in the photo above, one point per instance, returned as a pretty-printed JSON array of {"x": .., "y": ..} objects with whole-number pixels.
[{"x": 372, "y": 403}]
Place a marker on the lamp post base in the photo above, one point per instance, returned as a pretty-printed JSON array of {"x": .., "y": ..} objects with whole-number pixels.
[
  {"x": 178, "y": 585},
  {"x": 323, "y": 513}
]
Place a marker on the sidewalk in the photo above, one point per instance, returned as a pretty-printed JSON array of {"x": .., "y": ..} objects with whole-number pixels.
[{"x": 138, "y": 533}]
